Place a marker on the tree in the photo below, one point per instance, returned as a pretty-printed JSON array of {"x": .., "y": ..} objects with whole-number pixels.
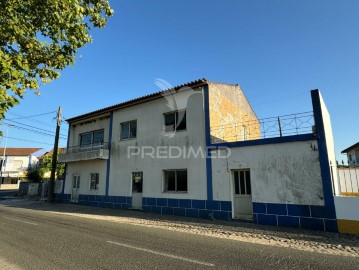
[
  {"x": 46, "y": 164},
  {"x": 38, "y": 38},
  {"x": 33, "y": 174}
]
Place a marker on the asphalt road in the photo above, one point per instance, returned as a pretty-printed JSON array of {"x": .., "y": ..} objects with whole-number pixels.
[{"x": 34, "y": 239}]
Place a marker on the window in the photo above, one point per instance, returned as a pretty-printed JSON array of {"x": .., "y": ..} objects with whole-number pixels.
[
  {"x": 93, "y": 138},
  {"x": 350, "y": 157},
  {"x": 242, "y": 182},
  {"x": 175, "y": 181},
  {"x": 129, "y": 130},
  {"x": 94, "y": 179},
  {"x": 175, "y": 121}
]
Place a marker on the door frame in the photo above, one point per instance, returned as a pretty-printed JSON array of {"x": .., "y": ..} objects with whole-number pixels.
[
  {"x": 78, "y": 182},
  {"x": 232, "y": 184},
  {"x": 133, "y": 192}
]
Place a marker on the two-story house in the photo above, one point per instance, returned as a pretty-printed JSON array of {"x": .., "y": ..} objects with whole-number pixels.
[
  {"x": 199, "y": 150},
  {"x": 16, "y": 162},
  {"x": 121, "y": 150}
]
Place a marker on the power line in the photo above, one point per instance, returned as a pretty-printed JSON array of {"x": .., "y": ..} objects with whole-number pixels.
[
  {"x": 37, "y": 132},
  {"x": 13, "y": 138},
  {"x": 33, "y": 120},
  {"x": 50, "y": 133},
  {"x": 24, "y": 117}
]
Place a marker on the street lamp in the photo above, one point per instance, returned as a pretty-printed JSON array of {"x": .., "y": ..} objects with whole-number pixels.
[{"x": 3, "y": 158}]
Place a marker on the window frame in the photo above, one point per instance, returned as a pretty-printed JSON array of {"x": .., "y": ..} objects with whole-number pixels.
[
  {"x": 129, "y": 130},
  {"x": 92, "y": 144},
  {"x": 165, "y": 189},
  {"x": 176, "y": 113},
  {"x": 245, "y": 173},
  {"x": 97, "y": 182}
]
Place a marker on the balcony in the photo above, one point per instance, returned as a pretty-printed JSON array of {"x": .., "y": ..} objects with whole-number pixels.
[{"x": 84, "y": 152}]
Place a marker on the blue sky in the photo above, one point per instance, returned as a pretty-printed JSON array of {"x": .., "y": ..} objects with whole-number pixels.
[{"x": 276, "y": 50}]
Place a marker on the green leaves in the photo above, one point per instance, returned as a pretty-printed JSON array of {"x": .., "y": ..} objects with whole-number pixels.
[{"x": 39, "y": 38}]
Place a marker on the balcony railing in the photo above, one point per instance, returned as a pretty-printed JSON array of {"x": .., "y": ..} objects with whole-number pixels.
[
  {"x": 286, "y": 125},
  {"x": 84, "y": 152}
]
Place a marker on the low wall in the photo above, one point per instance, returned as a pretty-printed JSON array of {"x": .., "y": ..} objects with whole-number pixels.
[
  {"x": 8, "y": 186},
  {"x": 347, "y": 214}
]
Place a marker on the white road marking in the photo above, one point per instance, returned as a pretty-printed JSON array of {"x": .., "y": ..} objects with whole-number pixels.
[
  {"x": 19, "y": 220},
  {"x": 162, "y": 254}
]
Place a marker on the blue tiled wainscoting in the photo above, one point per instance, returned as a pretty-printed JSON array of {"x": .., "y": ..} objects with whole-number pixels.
[
  {"x": 189, "y": 208},
  {"x": 294, "y": 215}
]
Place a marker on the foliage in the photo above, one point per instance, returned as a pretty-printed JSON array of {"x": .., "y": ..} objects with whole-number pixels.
[
  {"x": 33, "y": 174},
  {"x": 38, "y": 38},
  {"x": 46, "y": 165}
]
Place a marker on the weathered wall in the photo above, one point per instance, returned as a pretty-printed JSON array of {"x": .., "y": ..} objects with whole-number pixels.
[
  {"x": 286, "y": 173},
  {"x": 150, "y": 121},
  {"x": 89, "y": 125},
  {"x": 84, "y": 169},
  {"x": 231, "y": 116}
]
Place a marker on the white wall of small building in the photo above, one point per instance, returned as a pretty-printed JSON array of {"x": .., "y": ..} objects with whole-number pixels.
[
  {"x": 19, "y": 163},
  {"x": 347, "y": 207},
  {"x": 84, "y": 169},
  {"x": 286, "y": 173},
  {"x": 150, "y": 122}
]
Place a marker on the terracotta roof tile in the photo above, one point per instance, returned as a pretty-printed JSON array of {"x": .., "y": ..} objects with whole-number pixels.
[{"x": 19, "y": 151}]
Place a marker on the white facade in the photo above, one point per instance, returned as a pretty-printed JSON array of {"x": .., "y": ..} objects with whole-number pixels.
[
  {"x": 151, "y": 140},
  {"x": 284, "y": 173},
  {"x": 274, "y": 181}
]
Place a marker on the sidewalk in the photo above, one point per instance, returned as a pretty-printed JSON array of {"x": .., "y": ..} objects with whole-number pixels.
[{"x": 314, "y": 241}]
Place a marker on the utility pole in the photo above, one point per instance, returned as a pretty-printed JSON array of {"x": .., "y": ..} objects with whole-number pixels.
[{"x": 50, "y": 193}]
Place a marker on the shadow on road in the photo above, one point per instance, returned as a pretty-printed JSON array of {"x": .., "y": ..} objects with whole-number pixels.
[{"x": 236, "y": 227}]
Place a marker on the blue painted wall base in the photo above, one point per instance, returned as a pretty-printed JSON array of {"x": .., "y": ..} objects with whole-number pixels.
[
  {"x": 293, "y": 215},
  {"x": 284, "y": 215}
]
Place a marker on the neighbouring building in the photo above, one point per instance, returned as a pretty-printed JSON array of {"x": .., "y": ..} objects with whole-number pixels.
[
  {"x": 199, "y": 150},
  {"x": 352, "y": 155},
  {"x": 16, "y": 162}
]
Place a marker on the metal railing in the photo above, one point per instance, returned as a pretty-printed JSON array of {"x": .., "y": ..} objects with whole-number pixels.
[
  {"x": 286, "y": 125},
  {"x": 84, "y": 148}
]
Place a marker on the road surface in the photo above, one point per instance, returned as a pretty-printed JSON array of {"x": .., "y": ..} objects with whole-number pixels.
[{"x": 35, "y": 239}]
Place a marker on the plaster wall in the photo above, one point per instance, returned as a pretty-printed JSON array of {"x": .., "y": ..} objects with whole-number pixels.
[
  {"x": 347, "y": 207},
  {"x": 150, "y": 134},
  {"x": 330, "y": 145},
  {"x": 231, "y": 116},
  {"x": 286, "y": 173},
  {"x": 84, "y": 169}
]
